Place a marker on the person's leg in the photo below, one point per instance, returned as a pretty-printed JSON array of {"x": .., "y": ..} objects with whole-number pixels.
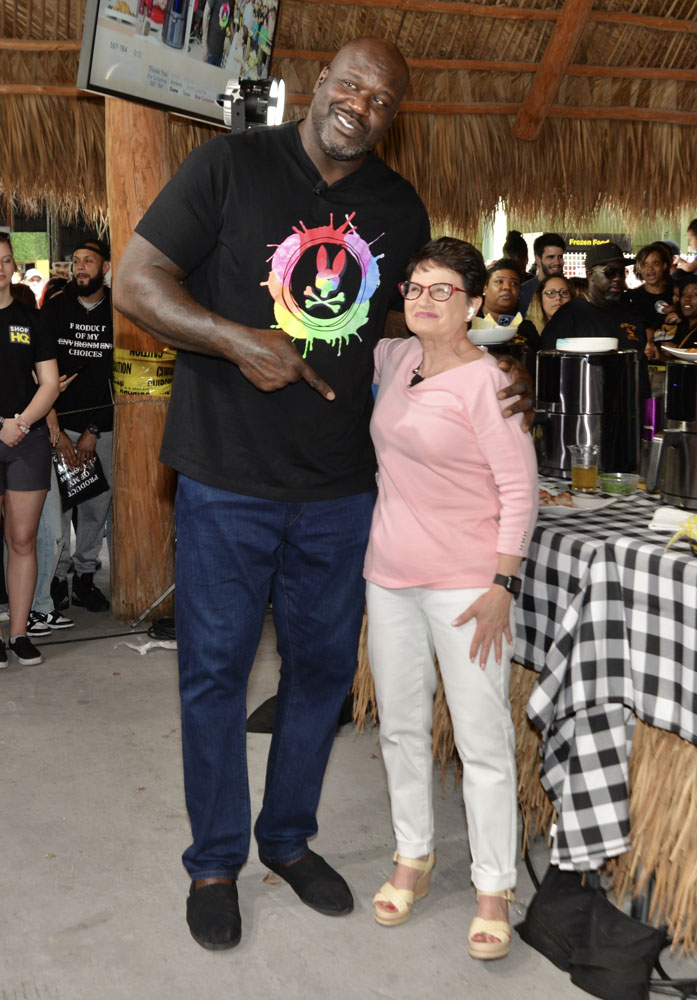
[
  {"x": 318, "y": 600},
  {"x": 401, "y": 656},
  {"x": 484, "y": 737},
  {"x": 22, "y": 513},
  {"x": 226, "y": 557},
  {"x": 92, "y": 515},
  {"x": 49, "y": 543}
]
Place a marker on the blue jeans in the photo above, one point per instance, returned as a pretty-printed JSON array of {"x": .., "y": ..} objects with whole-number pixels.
[{"x": 232, "y": 552}]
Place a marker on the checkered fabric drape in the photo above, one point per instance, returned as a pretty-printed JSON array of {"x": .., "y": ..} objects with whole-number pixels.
[{"x": 609, "y": 620}]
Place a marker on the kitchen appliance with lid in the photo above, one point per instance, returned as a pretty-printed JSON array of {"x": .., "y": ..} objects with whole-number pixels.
[
  {"x": 673, "y": 457},
  {"x": 587, "y": 398}
]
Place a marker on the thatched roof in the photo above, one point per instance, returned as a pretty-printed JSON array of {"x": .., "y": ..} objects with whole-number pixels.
[{"x": 608, "y": 91}]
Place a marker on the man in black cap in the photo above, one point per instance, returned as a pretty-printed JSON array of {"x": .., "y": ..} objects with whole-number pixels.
[
  {"x": 606, "y": 312},
  {"x": 79, "y": 317}
]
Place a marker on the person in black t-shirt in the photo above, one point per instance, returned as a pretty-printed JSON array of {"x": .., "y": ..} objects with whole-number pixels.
[
  {"x": 25, "y": 449},
  {"x": 267, "y": 249},
  {"x": 605, "y": 313}
]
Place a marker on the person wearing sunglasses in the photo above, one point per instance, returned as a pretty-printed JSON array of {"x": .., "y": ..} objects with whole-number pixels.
[
  {"x": 551, "y": 294},
  {"x": 457, "y": 503},
  {"x": 606, "y": 312}
]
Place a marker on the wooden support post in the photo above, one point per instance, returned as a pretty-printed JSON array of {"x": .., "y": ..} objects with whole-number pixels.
[
  {"x": 552, "y": 69},
  {"x": 142, "y": 558}
]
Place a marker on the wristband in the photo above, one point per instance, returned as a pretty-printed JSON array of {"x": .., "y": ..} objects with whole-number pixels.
[
  {"x": 93, "y": 429},
  {"x": 512, "y": 584},
  {"x": 23, "y": 427}
]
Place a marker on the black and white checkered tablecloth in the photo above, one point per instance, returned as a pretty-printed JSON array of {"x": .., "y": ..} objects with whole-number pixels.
[{"x": 609, "y": 619}]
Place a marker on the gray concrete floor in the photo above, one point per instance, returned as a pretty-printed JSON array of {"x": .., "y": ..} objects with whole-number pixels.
[{"x": 93, "y": 824}]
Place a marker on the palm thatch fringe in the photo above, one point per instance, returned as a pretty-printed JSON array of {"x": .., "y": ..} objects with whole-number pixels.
[{"x": 663, "y": 818}]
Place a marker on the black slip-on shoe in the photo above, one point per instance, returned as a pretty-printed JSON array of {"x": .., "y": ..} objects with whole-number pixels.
[
  {"x": 213, "y": 915},
  {"x": 316, "y": 883}
]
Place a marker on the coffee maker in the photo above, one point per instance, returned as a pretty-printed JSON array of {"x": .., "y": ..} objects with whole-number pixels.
[
  {"x": 673, "y": 457},
  {"x": 587, "y": 398}
]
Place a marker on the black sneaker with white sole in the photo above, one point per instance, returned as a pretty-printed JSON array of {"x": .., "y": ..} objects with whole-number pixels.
[
  {"x": 25, "y": 651},
  {"x": 55, "y": 620},
  {"x": 37, "y": 627},
  {"x": 3, "y": 655}
]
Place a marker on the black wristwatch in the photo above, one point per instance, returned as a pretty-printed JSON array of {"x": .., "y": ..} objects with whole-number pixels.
[
  {"x": 512, "y": 584},
  {"x": 93, "y": 429}
]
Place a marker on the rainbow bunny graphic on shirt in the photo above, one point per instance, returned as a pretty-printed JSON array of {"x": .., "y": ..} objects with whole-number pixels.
[{"x": 345, "y": 275}]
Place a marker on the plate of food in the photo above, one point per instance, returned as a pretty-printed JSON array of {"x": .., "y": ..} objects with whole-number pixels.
[
  {"x": 684, "y": 353},
  {"x": 566, "y": 502}
]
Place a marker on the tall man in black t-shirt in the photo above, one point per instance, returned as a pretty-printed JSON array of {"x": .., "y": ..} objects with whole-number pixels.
[
  {"x": 263, "y": 243},
  {"x": 79, "y": 317}
]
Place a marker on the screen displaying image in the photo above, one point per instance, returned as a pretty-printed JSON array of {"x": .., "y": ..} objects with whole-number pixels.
[{"x": 175, "y": 54}]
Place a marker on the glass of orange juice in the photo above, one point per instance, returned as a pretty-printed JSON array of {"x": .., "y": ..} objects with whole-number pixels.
[{"x": 584, "y": 468}]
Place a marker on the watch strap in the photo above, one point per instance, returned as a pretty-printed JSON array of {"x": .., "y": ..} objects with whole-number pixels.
[{"x": 512, "y": 584}]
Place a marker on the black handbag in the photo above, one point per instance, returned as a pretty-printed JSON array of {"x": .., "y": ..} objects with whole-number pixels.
[
  {"x": 79, "y": 484},
  {"x": 606, "y": 952}
]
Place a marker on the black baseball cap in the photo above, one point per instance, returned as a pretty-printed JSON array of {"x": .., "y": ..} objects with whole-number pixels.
[
  {"x": 94, "y": 244},
  {"x": 604, "y": 253}
]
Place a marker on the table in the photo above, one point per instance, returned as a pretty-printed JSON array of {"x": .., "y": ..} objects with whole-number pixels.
[{"x": 609, "y": 619}]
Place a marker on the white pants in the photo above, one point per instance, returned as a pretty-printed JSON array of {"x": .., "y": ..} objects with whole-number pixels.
[{"x": 405, "y": 628}]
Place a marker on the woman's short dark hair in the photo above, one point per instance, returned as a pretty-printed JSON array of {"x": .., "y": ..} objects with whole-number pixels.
[
  {"x": 692, "y": 228},
  {"x": 505, "y": 264},
  {"x": 660, "y": 248},
  {"x": 458, "y": 256}
]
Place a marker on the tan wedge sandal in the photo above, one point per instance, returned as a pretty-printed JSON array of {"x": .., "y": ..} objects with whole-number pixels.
[
  {"x": 500, "y": 929},
  {"x": 403, "y": 899}
]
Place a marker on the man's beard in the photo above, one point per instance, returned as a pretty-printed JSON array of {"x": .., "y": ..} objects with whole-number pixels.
[
  {"x": 334, "y": 148},
  {"x": 92, "y": 286}
]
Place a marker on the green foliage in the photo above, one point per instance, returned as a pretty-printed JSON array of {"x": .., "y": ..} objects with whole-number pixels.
[{"x": 30, "y": 246}]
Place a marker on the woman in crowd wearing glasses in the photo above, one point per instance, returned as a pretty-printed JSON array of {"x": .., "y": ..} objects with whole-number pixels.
[
  {"x": 457, "y": 501},
  {"x": 549, "y": 296}
]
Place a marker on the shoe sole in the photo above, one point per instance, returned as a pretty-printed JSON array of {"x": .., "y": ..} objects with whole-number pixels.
[
  {"x": 38, "y": 635},
  {"x": 211, "y": 946},
  {"x": 33, "y": 662},
  {"x": 58, "y": 627}
]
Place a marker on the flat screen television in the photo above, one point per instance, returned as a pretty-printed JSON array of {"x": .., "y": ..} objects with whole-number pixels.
[{"x": 176, "y": 55}]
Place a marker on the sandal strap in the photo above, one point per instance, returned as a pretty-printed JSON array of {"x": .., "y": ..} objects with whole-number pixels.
[
  {"x": 507, "y": 894},
  {"x": 495, "y": 928},
  {"x": 401, "y": 899},
  {"x": 421, "y": 866}
]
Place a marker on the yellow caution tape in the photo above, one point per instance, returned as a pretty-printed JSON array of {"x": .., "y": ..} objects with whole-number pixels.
[{"x": 144, "y": 373}]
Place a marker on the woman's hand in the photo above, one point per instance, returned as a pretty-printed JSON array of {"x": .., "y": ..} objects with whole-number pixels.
[
  {"x": 651, "y": 351},
  {"x": 11, "y": 433},
  {"x": 53, "y": 428},
  {"x": 492, "y": 612}
]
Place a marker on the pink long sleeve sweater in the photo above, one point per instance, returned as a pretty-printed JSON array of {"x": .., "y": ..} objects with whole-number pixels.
[{"x": 457, "y": 481}]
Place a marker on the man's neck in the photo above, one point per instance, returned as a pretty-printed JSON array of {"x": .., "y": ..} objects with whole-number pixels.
[
  {"x": 93, "y": 299},
  {"x": 330, "y": 170}
]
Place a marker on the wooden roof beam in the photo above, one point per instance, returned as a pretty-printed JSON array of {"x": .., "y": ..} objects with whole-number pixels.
[{"x": 552, "y": 69}]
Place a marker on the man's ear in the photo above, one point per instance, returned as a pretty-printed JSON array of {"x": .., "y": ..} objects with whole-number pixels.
[
  {"x": 106, "y": 267},
  {"x": 320, "y": 79}
]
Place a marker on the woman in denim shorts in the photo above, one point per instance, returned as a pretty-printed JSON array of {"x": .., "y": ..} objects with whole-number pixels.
[{"x": 28, "y": 389}]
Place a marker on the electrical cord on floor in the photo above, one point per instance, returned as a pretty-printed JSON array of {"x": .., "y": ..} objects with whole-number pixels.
[
  {"x": 92, "y": 638},
  {"x": 162, "y": 628}
]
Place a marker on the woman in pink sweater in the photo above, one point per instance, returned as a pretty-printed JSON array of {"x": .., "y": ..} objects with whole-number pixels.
[{"x": 457, "y": 502}]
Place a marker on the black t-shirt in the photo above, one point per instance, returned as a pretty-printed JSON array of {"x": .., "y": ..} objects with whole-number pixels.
[
  {"x": 643, "y": 303},
  {"x": 265, "y": 243},
  {"x": 23, "y": 343},
  {"x": 684, "y": 337},
  {"x": 85, "y": 341}
]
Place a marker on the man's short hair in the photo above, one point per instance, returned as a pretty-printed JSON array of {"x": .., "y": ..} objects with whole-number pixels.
[
  {"x": 548, "y": 240},
  {"x": 692, "y": 228}
]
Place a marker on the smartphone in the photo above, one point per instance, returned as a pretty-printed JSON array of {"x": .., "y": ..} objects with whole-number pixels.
[{"x": 74, "y": 371}]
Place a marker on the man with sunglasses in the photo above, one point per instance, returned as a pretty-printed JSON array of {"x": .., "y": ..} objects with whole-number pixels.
[{"x": 606, "y": 312}]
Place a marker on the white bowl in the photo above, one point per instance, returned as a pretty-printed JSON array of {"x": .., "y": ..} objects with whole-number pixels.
[
  {"x": 587, "y": 345},
  {"x": 491, "y": 335}
]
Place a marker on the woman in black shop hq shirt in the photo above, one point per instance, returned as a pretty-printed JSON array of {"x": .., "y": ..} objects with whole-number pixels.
[{"x": 28, "y": 389}]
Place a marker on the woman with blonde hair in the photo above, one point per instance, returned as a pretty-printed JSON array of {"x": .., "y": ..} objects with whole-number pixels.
[{"x": 550, "y": 295}]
